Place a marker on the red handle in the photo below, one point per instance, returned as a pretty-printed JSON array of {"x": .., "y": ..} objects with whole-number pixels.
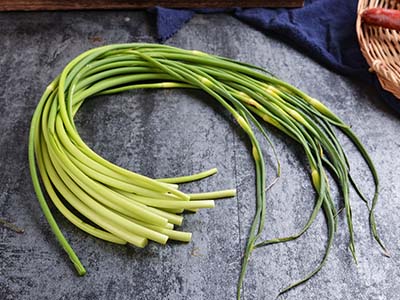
[{"x": 388, "y": 18}]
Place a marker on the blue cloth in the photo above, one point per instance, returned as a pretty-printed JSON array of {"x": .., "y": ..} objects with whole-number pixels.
[{"x": 323, "y": 29}]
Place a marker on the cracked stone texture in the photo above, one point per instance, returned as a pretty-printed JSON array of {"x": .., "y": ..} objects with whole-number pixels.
[{"x": 168, "y": 133}]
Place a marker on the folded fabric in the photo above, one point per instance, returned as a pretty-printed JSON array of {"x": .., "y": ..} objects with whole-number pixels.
[{"x": 322, "y": 29}]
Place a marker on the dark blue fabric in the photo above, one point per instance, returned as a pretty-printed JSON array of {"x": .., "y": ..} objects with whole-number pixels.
[
  {"x": 169, "y": 21},
  {"x": 323, "y": 29}
]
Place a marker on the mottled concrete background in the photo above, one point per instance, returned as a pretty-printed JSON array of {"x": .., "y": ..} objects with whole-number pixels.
[{"x": 165, "y": 133}]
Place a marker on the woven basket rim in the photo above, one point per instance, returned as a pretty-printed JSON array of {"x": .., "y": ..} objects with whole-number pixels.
[{"x": 380, "y": 47}]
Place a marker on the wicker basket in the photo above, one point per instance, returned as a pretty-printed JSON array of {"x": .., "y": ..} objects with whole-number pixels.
[{"x": 381, "y": 46}]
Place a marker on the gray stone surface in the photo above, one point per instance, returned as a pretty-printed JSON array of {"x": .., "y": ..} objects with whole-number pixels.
[{"x": 165, "y": 133}]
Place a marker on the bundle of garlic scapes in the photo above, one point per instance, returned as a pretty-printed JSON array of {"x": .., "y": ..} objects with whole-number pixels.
[{"x": 130, "y": 208}]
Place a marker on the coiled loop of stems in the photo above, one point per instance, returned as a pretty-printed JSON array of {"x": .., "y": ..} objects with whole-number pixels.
[{"x": 129, "y": 207}]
